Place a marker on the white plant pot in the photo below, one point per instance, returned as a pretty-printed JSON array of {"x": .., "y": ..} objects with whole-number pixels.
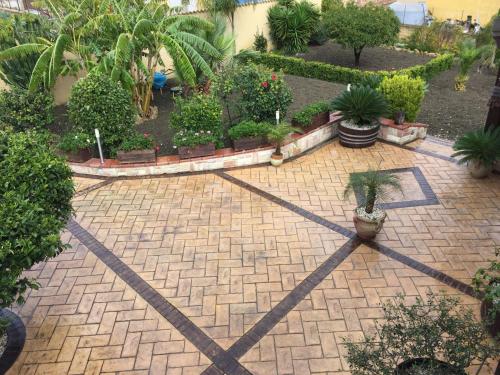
[
  {"x": 276, "y": 160},
  {"x": 478, "y": 170}
]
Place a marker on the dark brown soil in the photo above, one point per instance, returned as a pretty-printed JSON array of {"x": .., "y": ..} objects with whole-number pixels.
[{"x": 376, "y": 58}]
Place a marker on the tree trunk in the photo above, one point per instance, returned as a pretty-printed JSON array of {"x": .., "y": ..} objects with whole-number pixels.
[
  {"x": 357, "y": 56},
  {"x": 370, "y": 201}
]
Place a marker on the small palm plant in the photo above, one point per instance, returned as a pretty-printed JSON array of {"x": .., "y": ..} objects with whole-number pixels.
[
  {"x": 278, "y": 135},
  {"x": 361, "y": 105},
  {"x": 372, "y": 186},
  {"x": 479, "y": 149},
  {"x": 468, "y": 54}
]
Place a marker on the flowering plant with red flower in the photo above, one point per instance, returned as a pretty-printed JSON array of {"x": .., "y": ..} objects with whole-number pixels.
[
  {"x": 265, "y": 84},
  {"x": 273, "y": 77}
]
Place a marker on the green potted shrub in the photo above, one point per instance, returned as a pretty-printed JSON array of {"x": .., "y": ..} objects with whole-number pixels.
[
  {"x": 479, "y": 150},
  {"x": 278, "y": 135},
  {"x": 404, "y": 96},
  {"x": 487, "y": 283},
  {"x": 77, "y": 146},
  {"x": 137, "y": 148},
  {"x": 435, "y": 336},
  {"x": 371, "y": 186},
  {"x": 361, "y": 108},
  {"x": 312, "y": 116},
  {"x": 198, "y": 125},
  {"x": 248, "y": 134}
]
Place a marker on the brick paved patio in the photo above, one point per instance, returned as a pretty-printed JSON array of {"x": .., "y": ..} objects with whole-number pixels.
[{"x": 251, "y": 271}]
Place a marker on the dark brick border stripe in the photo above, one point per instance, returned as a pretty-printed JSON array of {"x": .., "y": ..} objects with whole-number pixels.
[
  {"x": 438, "y": 275},
  {"x": 421, "y": 151},
  {"x": 273, "y": 317},
  {"x": 430, "y": 196},
  {"x": 186, "y": 327},
  {"x": 290, "y": 206},
  {"x": 16, "y": 336},
  {"x": 93, "y": 187}
]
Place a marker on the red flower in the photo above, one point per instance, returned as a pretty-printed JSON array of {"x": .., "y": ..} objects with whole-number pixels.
[
  {"x": 273, "y": 77},
  {"x": 265, "y": 84},
  {"x": 157, "y": 148}
]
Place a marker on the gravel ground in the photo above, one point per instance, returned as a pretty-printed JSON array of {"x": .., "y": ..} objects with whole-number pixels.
[{"x": 3, "y": 343}]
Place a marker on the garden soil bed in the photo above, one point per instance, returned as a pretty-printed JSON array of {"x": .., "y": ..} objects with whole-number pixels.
[{"x": 377, "y": 58}]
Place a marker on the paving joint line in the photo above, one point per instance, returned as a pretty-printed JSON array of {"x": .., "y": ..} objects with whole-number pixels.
[{"x": 221, "y": 358}]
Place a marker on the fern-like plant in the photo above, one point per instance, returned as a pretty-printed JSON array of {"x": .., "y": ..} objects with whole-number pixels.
[
  {"x": 481, "y": 146},
  {"x": 373, "y": 186},
  {"x": 361, "y": 105},
  {"x": 279, "y": 134}
]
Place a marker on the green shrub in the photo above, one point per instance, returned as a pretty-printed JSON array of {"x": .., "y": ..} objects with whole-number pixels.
[
  {"x": 340, "y": 74},
  {"x": 23, "y": 110},
  {"x": 403, "y": 93},
  {"x": 194, "y": 115},
  {"x": 328, "y": 5},
  {"x": 263, "y": 92},
  {"x": 192, "y": 138},
  {"x": 98, "y": 102},
  {"x": 438, "y": 37},
  {"x": 75, "y": 141},
  {"x": 249, "y": 129},
  {"x": 20, "y": 29},
  {"x": 292, "y": 25},
  {"x": 35, "y": 203},
  {"x": 260, "y": 42},
  {"x": 305, "y": 116},
  {"x": 361, "y": 105},
  {"x": 359, "y": 26},
  {"x": 137, "y": 141},
  {"x": 320, "y": 35}
]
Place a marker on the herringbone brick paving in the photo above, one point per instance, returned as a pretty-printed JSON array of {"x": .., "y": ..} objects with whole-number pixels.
[{"x": 225, "y": 257}]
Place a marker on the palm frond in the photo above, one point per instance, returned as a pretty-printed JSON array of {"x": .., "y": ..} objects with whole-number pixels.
[
  {"x": 199, "y": 43},
  {"x": 39, "y": 74},
  {"x": 21, "y": 51},
  {"x": 480, "y": 145},
  {"x": 198, "y": 61},
  {"x": 181, "y": 60},
  {"x": 56, "y": 58}
]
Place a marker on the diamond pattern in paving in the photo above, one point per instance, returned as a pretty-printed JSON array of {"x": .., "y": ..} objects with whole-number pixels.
[
  {"x": 220, "y": 254},
  {"x": 84, "y": 319},
  {"x": 309, "y": 340},
  {"x": 456, "y": 236}
]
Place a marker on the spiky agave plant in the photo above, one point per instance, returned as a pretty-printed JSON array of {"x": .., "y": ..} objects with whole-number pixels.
[
  {"x": 481, "y": 145},
  {"x": 362, "y": 105},
  {"x": 374, "y": 185}
]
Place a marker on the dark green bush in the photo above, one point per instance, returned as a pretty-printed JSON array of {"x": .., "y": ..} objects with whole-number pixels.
[
  {"x": 249, "y": 129},
  {"x": 340, "y": 74},
  {"x": 35, "y": 203},
  {"x": 23, "y": 110},
  {"x": 98, "y": 102},
  {"x": 260, "y": 43},
  {"x": 438, "y": 37},
  {"x": 75, "y": 141},
  {"x": 305, "y": 116},
  {"x": 320, "y": 35},
  {"x": 263, "y": 92},
  {"x": 403, "y": 94},
  {"x": 292, "y": 25},
  {"x": 137, "y": 141}
]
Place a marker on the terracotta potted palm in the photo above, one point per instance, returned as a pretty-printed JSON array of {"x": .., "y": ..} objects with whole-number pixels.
[
  {"x": 278, "y": 135},
  {"x": 372, "y": 186},
  {"x": 361, "y": 108},
  {"x": 479, "y": 150}
]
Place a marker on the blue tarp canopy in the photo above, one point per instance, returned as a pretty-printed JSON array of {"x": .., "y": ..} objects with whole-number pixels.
[{"x": 410, "y": 13}]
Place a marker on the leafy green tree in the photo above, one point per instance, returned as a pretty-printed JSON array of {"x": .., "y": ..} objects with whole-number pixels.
[
  {"x": 358, "y": 27},
  {"x": 35, "y": 203}
]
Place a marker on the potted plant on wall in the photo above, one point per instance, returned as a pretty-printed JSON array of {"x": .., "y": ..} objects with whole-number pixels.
[
  {"x": 361, "y": 107},
  {"x": 312, "y": 116},
  {"x": 137, "y": 148},
  {"x": 371, "y": 186},
  {"x": 431, "y": 337},
  {"x": 479, "y": 150},
  {"x": 278, "y": 135},
  {"x": 77, "y": 146},
  {"x": 248, "y": 135},
  {"x": 487, "y": 283},
  {"x": 195, "y": 144}
]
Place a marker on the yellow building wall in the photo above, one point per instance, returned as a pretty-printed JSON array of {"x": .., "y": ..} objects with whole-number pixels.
[{"x": 481, "y": 10}]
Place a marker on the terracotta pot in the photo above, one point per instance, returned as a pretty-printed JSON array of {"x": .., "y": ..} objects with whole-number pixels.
[
  {"x": 248, "y": 143},
  {"x": 368, "y": 229},
  {"x": 80, "y": 156},
  {"x": 136, "y": 156},
  {"x": 357, "y": 138},
  {"x": 442, "y": 367},
  {"x": 197, "y": 151},
  {"x": 277, "y": 159},
  {"x": 478, "y": 169},
  {"x": 492, "y": 325}
]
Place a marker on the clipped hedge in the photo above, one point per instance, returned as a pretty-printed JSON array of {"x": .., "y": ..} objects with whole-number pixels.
[{"x": 333, "y": 73}]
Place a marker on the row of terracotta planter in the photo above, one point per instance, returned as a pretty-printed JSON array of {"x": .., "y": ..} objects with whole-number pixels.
[{"x": 149, "y": 156}]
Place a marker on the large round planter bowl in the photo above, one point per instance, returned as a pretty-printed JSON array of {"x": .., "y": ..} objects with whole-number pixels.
[
  {"x": 357, "y": 137},
  {"x": 366, "y": 228},
  {"x": 492, "y": 325},
  {"x": 276, "y": 160},
  {"x": 478, "y": 169},
  {"x": 440, "y": 366}
]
